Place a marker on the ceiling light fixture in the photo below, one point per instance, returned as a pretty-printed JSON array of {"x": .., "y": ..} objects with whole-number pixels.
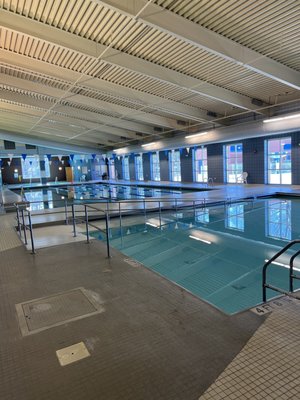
[
  {"x": 147, "y": 144},
  {"x": 265, "y": 121},
  {"x": 195, "y": 135}
]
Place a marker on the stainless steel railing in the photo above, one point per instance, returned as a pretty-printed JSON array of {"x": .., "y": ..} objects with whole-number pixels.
[{"x": 80, "y": 212}]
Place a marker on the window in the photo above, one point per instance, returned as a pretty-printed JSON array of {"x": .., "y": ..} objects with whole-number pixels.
[
  {"x": 112, "y": 168},
  {"x": 29, "y": 147},
  {"x": 235, "y": 217},
  {"x": 279, "y": 169},
  {"x": 233, "y": 162},
  {"x": 174, "y": 165},
  {"x": 139, "y": 175},
  {"x": 8, "y": 145},
  {"x": 200, "y": 164},
  {"x": 125, "y": 168},
  {"x": 278, "y": 219},
  {"x": 31, "y": 167},
  {"x": 155, "y": 166}
]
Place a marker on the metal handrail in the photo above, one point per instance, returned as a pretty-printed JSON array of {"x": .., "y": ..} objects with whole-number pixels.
[
  {"x": 176, "y": 203},
  {"x": 23, "y": 226},
  {"x": 266, "y": 286},
  {"x": 107, "y": 224}
]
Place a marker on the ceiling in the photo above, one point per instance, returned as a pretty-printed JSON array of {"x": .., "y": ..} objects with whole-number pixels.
[{"x": 104, "y": 74}]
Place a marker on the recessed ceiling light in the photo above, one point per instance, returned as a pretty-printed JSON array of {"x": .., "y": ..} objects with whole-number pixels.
[
  {"x": 147, "y": 144},
  {"x": 196, "y": 134},
  {"x": 265, "y": 121}
]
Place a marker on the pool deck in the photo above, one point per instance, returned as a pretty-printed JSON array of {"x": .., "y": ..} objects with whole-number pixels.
[
  {"x": 216, "y": 193},
  {"x": 152, "y": 340}
]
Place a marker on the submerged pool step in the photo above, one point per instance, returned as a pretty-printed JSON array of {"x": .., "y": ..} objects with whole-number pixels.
[{"x": 145, "y": 251}]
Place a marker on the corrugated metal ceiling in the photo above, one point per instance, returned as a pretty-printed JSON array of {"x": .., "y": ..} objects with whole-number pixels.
[{"x": 269, "y": 27}]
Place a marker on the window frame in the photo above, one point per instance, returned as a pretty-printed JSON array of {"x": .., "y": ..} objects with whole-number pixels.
[
  {"x": 174, "y": 166},
  {"x": 155, "y": 167},
  {"x": 197, "y": 169},
  {"x": 233, "y": 174},
  {"x": 139, "y": 171},
  {"x": 271, "y": 157},
  {"x": 125, "y": 168}
]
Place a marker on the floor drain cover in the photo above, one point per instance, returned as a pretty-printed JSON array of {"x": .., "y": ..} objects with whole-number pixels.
[
  {"x": 44, "y": 313},
  {"x": 72, "y": 353}
]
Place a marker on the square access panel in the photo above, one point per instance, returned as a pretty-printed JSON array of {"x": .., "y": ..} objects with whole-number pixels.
[{"x": 46, "y": 312}]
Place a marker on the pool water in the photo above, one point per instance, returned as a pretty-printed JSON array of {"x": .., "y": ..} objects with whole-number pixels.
[
  {"x": 51, "y": 197},
  {"x": 216, "y": 253}
]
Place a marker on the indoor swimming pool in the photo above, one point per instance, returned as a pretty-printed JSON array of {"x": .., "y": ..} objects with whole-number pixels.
[
  {"x": 217, "y": 253},
  {"x": 51, "y": 197}
]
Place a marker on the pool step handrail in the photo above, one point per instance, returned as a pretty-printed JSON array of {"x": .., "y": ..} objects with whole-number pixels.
[
  {"x": 292, "y": 276},
  {"x": 24, "y": 225}
]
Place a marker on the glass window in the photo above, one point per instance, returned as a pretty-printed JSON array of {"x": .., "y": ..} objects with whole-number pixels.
[
  {"x": 125, "y": 166},
  {"x": 139, "y": 174},
  {"x": 174, "y": 165},
  {"x": 112, "y": 169},
  {"x": 200, "y": 164},
  {"x": 155, "y": 166},
  {"x": 31, "y": 167},
  {"x": 279, "y": 168},
  {"x": 235, "y": 217},
  {"x": 278, "y": 215},
  {"x": 233, "y": 162}
]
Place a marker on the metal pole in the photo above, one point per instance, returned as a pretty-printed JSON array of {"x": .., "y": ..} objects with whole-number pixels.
[
  {"x": 66, "y": 211},
  {"x": 18, "y": 220},
  {"x": 176, "y": 205},
  {"x": 107, "y": 235},
  {"x": 74, "y": 222},
  {"x": 194, "y": 206},
  {"x": 144, "y": 210},
  {"x": 291, "y": 272},
  {"x": 120, "y": 216},
  {"x": 87, "y": 224},
  {"x": 159, "y": 208},
  {"x": 31, "y": 233},
  {"x": 24, "y": 227}
]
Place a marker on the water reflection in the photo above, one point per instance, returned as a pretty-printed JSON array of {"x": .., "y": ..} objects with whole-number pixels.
[
  {"x": 202, "y": 215},
  {"x": 235, "y": 217},
  {"x": 278, "y": 219},
  {"x": 40, "y": 199}
]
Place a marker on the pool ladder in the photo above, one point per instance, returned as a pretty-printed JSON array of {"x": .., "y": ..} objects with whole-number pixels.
[{"x": 292, "y": 276}]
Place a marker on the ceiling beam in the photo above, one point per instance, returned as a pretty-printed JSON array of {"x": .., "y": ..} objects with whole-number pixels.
[
  {"x": 33, "y": 66},
  {"x": 115, "y": 57},
  {"x": 87, "y": 101},
  {"x": 52, "y": 144},
  {"x": 206, "y": 39},
  {"x": 75, "y": 113},
  {"x": 66, "y": 121}
]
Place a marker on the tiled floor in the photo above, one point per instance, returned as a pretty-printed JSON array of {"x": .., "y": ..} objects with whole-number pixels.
[
  {"x": 268, "y": 366},
  {"x": 153, "y": 341},
  {"x": 56, "y": 235}
]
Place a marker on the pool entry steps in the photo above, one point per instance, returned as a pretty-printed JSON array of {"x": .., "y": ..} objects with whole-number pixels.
[{"x": 215, "y": 250}]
